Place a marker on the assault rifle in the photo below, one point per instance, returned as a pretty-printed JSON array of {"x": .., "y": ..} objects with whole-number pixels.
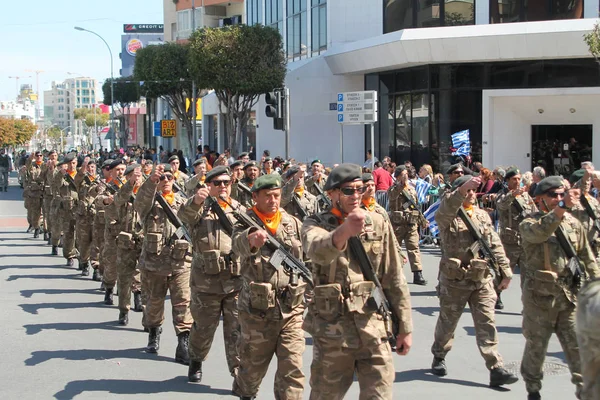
[
  {"x": 516, "y": 202},
  {"x": 412, "y": 206},
  {"x": 301, "y": 211},
  {"x": 574, "y": 264},
  {"x": 70, "y": 181},
  {"x": 322, "y": 197},
  {"x": 481, "y": 247},
  {"x": 281, "y": 256},
  {"x": 244, "y": 188},
  {"x": 181, "y": 232},
  {"x": 378, "y": 299},
  {"x": 590, "y": 212},
  {"x": 223, "y": 220}
]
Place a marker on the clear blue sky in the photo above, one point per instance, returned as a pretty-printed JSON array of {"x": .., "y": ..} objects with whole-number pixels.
[{"x": 39, "y": 35}]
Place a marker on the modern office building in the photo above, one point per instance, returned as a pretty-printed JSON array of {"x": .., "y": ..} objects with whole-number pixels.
[
  {"x": 515, "y": 73},
  {"x": 64, "y": 97}
]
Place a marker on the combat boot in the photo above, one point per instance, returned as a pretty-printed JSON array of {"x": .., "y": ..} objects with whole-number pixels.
[
  {"x": 195, "y": 372},
  {"x": 85, "y": 271},
  {"x": 29, "y": 228},
  {"x": 96, "y": 275},
  {"x": 499, "y": 376},
  {"x": 534, "y": 396},
  {"x": 36, "y": 233},
  {"x": 108, "y": 297},
  {"x": 439, "y": 367},
  {"x": 153, "y": 340},
  {"x": 499, "y": 303},
  {"x": 247, "y": 397},
  {"x": 80, "y": 265},
  {"x": 418, "y": 278},
  {"x": 123, "y": 318},
  {"x": 54, "y": 250},
  {"x": 70, "y": 262},
  {"x": 137, "y": 301},
  {"x": 46, "y": 237},
  {"x": 182, "y": 352}
]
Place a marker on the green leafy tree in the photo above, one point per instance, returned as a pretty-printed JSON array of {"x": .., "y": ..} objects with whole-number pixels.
[
  {"x": 163, "y": 71},
  {"x": 239, "y": 63},
  {"x": 126, "y": 92},
  {"x": 7, "y": 132},
  {"x": 16, "y": 132},
  {"x": 54, "y": 134},
  {"x": 592, "y": 39}
]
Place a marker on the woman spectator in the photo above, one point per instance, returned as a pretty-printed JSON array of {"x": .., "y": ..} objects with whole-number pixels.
[
  {"x": 437, "y": 185},
  {"x": 426, "y": 173},
  {"x": 487, "y": 182},
  {"x": 526, "y": 180}
]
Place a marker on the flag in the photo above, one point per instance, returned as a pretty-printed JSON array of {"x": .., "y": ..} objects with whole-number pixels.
[
  {"x": 462, "y": 143},
  {"x": 422, "y": 187},
  {"x": 430, "y": 217}
]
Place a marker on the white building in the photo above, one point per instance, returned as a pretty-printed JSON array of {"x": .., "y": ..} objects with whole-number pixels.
[
  {"x": 523, "y": 89},
  {"x": 24, "y": 109}
]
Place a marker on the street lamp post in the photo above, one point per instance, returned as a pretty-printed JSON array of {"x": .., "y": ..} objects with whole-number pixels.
[
  {"x": 112, "y": 88},
  {"x": 62, "y": 146}
]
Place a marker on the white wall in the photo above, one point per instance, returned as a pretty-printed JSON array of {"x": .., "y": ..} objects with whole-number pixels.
[
  {"x": 351, "y": 20},
  {"x": 509, "y": 114}
]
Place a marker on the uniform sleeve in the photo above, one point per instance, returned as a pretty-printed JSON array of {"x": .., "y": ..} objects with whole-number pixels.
[
  {"x": 124, "y": 194},
  {"x": 318, "y": 243},
  {"x": 144, "y": 199},
  {"x": 189, "y": 212},
  {"x": 586, "y": 255},
  {"x": 79, "y": 177},
  {"x": 448, "y": 209},
  {"x": 239, "y": 241},
  {"x": 505, "y": 201},
  {"x": 287, "y": 192},
  {"x": 538, "y": 230}
]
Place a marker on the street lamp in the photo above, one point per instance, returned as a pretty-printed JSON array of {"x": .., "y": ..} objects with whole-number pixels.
[
  {"x": 62, "y": 146},
  {"x": 112, "y": 89}
]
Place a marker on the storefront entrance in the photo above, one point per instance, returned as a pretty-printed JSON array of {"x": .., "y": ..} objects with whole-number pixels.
[{"x": 560, "y": 149}]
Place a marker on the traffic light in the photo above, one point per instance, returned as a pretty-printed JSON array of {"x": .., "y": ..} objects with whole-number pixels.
[{"x": 275, "y": 108}]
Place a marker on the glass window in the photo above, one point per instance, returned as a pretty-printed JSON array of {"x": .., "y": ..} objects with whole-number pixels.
[
  {"x": 274, "y": 15},
  {"x": 459, "y": 12},
  {"x": 404, "y": 14},
  {"x": 397, "y": 15},
  {"x": 503, "y": 11},
  {"x": 428, "y": 13},
  {"x": 403, "y": 114},
  {"x": 296, "y": 29},
  {"x": 319, "y": 26},
  {"x": 254, "y": 12},
  {"x": 420, "y": 129}
]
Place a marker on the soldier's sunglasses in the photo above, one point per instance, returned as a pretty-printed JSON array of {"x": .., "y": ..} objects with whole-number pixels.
[
  {"x": 167, "y": 176},
  {"x": 225, "y": 182},
  {"x": 555, "y": 195},
  {"x": 349, "y": 191},
  {"x": 458, "y": 172}
]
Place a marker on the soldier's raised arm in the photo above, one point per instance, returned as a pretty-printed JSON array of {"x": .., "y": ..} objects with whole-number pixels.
[{"x": 145, "y": 197}]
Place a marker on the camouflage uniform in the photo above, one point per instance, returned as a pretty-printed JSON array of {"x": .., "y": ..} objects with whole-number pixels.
[
  {"x": 34, "y": 187},
  {"x": 588, "y": 337},
  {"x": 191, "y": 185},
  {"x": 215, "y": 283},
  {"x": 549, "y": 303},
  {"x": 112, "y": 227},
  {"x": 129, "y": 247},
  {"x": 55, "y": 215},
  {"x": 165, "y": 262},
  {"x": 243, "y": 197},
  {"x": 99, "y": 226},
  {"x": 349, "y": 335},
  {"x": 47, "y": 176},
  {"x": 307, "y": 201},
  {"x": 311, "y": 182},
  {"x": 181, "y": 178},
  {"x": 581, "y": 214},
  {"x": 465, "y": 279},
  {"x": 406, "y": 223},
  {"x": 271, "y": 310},
  {"x": 68, "y": 204},
  {"x": 85, "y": 215}
]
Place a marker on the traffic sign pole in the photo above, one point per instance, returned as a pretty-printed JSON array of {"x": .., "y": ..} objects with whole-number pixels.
[{"x": 372, "y": 147}]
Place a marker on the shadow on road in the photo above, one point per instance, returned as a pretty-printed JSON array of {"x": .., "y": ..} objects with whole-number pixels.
[
  {"x": 32, "y": 329},
  {"x": 35, "y": 308},
  {"x": 501, "y": 329},
  {"x": 431, "y": 293},
  {"x": 29, "y": 267},
  {"x": 24, "y": 255},
  {"x": 425, "y": 375},
  {"x": 124, "y": 387},
  {"x": 37, "y": 243},
  {"x": 30, "y": 292},
  {"x": 31, "y": 276},
  {"x": 38, "y": 357}
]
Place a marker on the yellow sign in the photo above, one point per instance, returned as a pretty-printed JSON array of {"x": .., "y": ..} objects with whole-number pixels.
[
  {"x": 198, "y": 108},
  {"x": 168, "y": 128}
]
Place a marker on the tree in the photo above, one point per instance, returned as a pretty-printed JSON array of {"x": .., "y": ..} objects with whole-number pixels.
[
  {"x": 164, "y": 71},
  {"x": 54, "y": 134},
  {"x": 592, "y": 39},
  {"x": 240, "y": 63},
  {"x": 15, "y": 132},
  {"x": 126, "y": 92},
  {"x": 7, "y": 132}
]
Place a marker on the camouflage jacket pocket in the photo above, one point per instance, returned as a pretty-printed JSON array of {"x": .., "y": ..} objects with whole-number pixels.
[
  {"x": 213, "y": 262},
  {"x": 545, "y": 283},
  {"x": 477, "y": 271},
  {"x": 360, "y": 294},
  {"x": 154, "y": 243},
  {"x": 510, "y": 236},
  {"x": 371, "y": 328},
  {"x": 179, "y": 249},
  {"x": 262, "y": 296},
  {"x": 328, "y": 300},
  {"x": 125, "y": 241},
  {"x": 294, "y": 295},
  {"x": 452, "y": 270}
]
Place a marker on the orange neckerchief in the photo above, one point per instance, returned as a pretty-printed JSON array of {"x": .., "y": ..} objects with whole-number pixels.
[
  {"x": 117, "y": 182},
  {"x": 38, "y": 163},
  {"x": 176, "y": 175},
  {"x": 109, "y": 179},
  {"x": 268, "y": 171},
  {"x": 299, "y": 191},
  {"x": 338, "y": 214},
  {"x": 469, "y": 210},
  {"x": 72, "y": 173},
  {"x": 169, "y": 197},
  {"x": 369, "y": 203},
  {"x": 92, "y": 178},
  {"x": 224, "y": 204},
  {"x": 250, "y": 184},
  {"x": 135, "y": 189},
  {"x": 271, "y": 221}
]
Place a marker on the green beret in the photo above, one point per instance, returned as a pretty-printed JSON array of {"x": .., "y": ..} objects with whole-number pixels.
[
  {"x": 198, "y": 162},
  {"x": 173, "y": 158},
  {"x": 242, "y": 155},
  {"x": 106, "y": 163},
  {"x": 52, "y": 152},
  {"x": 131, "y": 167},
  {"x": 454, "y": 167},
  {"x": 458, "y": 182},
  {"x": 148, "y": 162},
  {"x": 315, "y": 162},
  {"x": 216, "y": 172},
  {"x": 92, "y": 162},
  {"x": 250, "y": 164},
  {"x": 167, "y": 167},
  {"x": 367, "y": 177},
  {"x": 341, "y": 174},
  {"x": 236, "y": 163},
  {"x": 399, "y": 170},
  {"x": 268, "y": 159},
  {"x": 115, "y": 163},
  {"x": 269, "y": 181},
  {"x": 576, "y": 176},
  {"x": 512, "y": 171},
  {"x": 293, "y": 170},
  {"x": 547, "y": 184}
]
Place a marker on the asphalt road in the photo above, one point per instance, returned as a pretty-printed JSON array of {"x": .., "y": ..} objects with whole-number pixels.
[{"x": 59, "y": 341}]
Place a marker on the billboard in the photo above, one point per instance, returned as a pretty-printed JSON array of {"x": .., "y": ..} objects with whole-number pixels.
[
  {"x": 131, "y": 43},
  {"x": 143, "y": 28}
]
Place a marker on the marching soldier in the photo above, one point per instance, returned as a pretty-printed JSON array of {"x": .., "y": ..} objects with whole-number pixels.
[
  {"x": 466, "y": 278},
  {"x": 57, "y": 174},
  {"x": 588, "y": 337},
  {"x": 268, "y": 166},
  {"x": 237, "y": 173},
  {"x": 317, "y": 177},
  {"x": 165, "y": 262},
  {"x": 216, "y": 276},
  {"x": 34, "y": 190},
  {"x": 85, "y": 180},
  {"x": 69, "y": 198},
  {"x": 129, "y": 244},
  {"x": 582, "y": 180},
  {"x": 198, "y": 179},
  {"x": 295, "y": 199},
  {"x": 180, "y": 177},
  {"x": 406, "y": 220},
  {"x": 251, "y": 173},
  {"x": 513, "y": 205},
  {"x": 47, "y": 176},
  {"x": 271, "y": 302},
  {"x": 99, "y": 224},
  {"x": 349, "y": 335},
  {"x": 550, "y": 287}
]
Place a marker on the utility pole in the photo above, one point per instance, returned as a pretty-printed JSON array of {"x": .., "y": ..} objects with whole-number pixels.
[
  {"x": 37, "y": 90},
  {"x": 194, "y": 99}
]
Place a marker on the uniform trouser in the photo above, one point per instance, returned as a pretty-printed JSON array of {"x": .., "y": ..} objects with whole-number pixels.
[
  {"x": 34, "y": 211},
  {"x": 128, "y": 275},
  {"x": 333, "y": 368},
  {"x": 68, "y": 228},
  {"x": 588, "y": 337},
  {"x": 109, "y": 257},
  {"x": 4, "y": 176},
  {"x": 83, "y": 232},
  {"x": 514, "y": 252},
  {"x": 409, "y": 234},
  {"x": 178, "y": 286},
  {"x": 97, "y": 246},
  {"x": 481, "y": 303},
  {"x": 261, "y": 339},
  {"x": 541, "y": 318},
  {"x": 46, "y": 209},
  {"x": 144, "y": 284},
  {"x": 57, "y": 227},
  {"x": 207, "y": 309}
]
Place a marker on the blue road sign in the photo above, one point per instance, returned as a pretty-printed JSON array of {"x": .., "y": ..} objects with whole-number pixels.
[
  {"x": 340, "y": 117},
  {"x": 341, "y": 107},
  {"x": 157, "y": 128},
  {"x": 340, "y": 97}
]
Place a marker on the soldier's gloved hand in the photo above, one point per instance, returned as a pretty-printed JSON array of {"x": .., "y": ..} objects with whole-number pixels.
[
  {"x": 403, "y": 343},
  {"x": 354, "y": 222},
  {"x": 572, "y": 197},
  {"x": 257, "y": 239},
  {"x": 504, "y": 284},
  {"x": 201, "y": 195}
]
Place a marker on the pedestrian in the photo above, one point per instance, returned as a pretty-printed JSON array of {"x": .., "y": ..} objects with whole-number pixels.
[{"x": 295, "y": 199}]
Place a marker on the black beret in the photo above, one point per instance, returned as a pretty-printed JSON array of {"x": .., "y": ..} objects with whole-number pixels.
[
  {"x": 61, "y": 161},
  {"x": 269, "y": 181},
  {"x": 199, "y": 161},
  {"x": 367, "y": 177},
  {"x": 458, "y": 182},
  {"x": 399, "y": 170},
  {"x": 217, "y": 171},
  {"x": 167, "y": 167},
  {"x": 236, "y": 163},
  {"x": 148, "y": 162},
  {"x": 52, "y": 152},
  {"x": 513, "y": 171},
  {"x": 116, "y": 163},
  {"x": 131, "y": 167},
  {"x": 576, "y": 176},
  {"x": 315, "y": 162},
  {"x": 68, "y": 158},
  {"x": 91, "y": 162},
  {"x": 173, "y": 158},
  {"x": 454, "y": 167},
  {"x": 268, "y": 159},
  {"x": 106, "y": 163},
  {"x": 341, "y": 174},
  {"x": 251, "y": 164},
  {"x": 293, "y": 170},
  {"x": 242, "y": 155},
  {"x": 547, "y": 184},
  {"x": 38, "y": 153}
]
